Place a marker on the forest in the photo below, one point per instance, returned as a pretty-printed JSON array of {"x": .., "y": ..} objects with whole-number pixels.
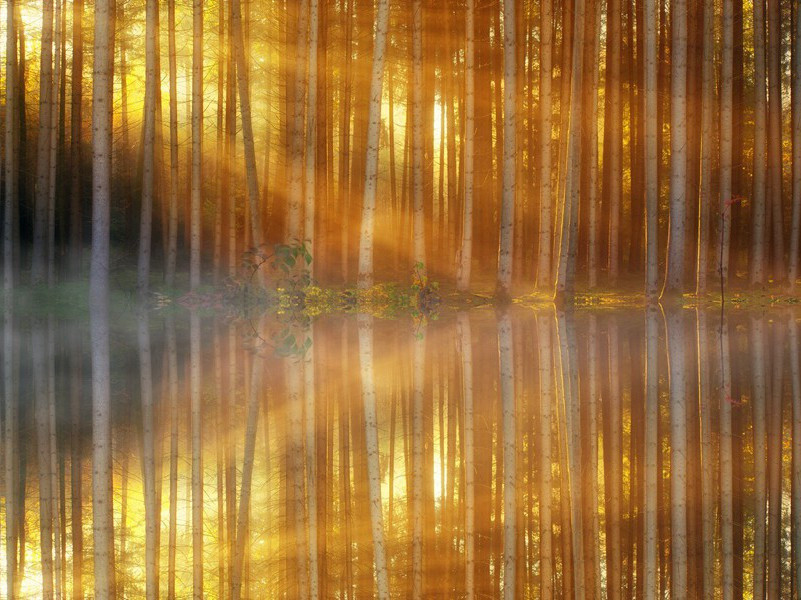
[{"x": 500, "y": 146}]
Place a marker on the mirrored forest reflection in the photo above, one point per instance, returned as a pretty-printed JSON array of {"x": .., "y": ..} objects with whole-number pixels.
[{"x": 525, "y": 453}]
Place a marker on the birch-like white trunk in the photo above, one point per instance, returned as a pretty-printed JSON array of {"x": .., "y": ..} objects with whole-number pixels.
[
  {"x": 466, "y": 351},
  {"x": 148, "y": 148},
  {"x": 466, "y": 249},
  {"x": 707, "y": 455},
  {"x": 366, "y": 241},
  {"x": 651, "y": 452},
  {"x": 678, "y": 453},
  {"x": 651, "y": 170},
  {"x": 294, "y": 375},
  {"x": 505, "y": 252},
  {"x": 365, "y": 323},
  {"x": 507, "y": 385},
  {"x": 152, "y": 516}
]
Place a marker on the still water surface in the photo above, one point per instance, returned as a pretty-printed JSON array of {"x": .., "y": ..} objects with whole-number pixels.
[{"x": 621, "y": 453}]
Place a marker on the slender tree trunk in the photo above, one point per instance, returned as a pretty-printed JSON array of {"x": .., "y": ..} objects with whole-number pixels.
[
  {"x": 197, "y": 151},
  {"x": 775, "y": 152},
  {"x": 568, "y": 233},
  {"x": 149, "y": 141},
  {"x": 505, "y": 254},
  {"x": 651, "y": 172},
  {"x": 103, "y": 524},
  {"x": 613, "y": 132},
  {"x": 418, "y": 188},
  {"x": 54, "y": 148},
  {"x": 76, "y": 138},
  {"x": 10, "y": 167},
  {"x": 466, "y": 249},
  {"x": 651, "y": 449},
  {"x": 759, "y": 400},
  {"x": 726, "y": 97},
  {"x": 196, "y": 418},
  {"x": 42, "y": 186},
  {"x": 707, "y": 115},
  {"x": 371, "y": 160},
  {"x": 544, "y": 241},
  {"x": 678, "y": 454},
  {"x": 310, "y": 174},
  {"x": 373, "y": 468},
  {"x": 172, "y": 235},
  {"x": 546, "y": 464},
  {"x": 795, "y": 226},
  {"x": 241, "y": 50},
  {"x": 243, "y": 518},
  {"x": 674, "y": 275},
  {"x": 758, "y": 213}
]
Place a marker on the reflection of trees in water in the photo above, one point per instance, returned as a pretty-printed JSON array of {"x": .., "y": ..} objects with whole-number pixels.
[{"x": 549, "y": 455}]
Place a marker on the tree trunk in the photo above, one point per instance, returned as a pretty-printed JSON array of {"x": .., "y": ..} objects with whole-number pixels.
[
  {"x": 707, "y": 115},
  {"x": 568, "y": 233},
  {"x": 775, "y": 152},
  {"x": 795, "y": 226},
  {"x": 149, "y": 142},
  {"x": 726, "y": 95},
  {"x": 509, "y": 148},
  {"x": 373, "y": 467},
  {"x": 371, "y": 159},
  {"x": 197, "y": 152},
  {"x": 10, "y": 167},
  {"x": 172, "y": 235},
  {"x": 613, "y": 132},
  {"x": 674, "y": 275},
  {"x": 197, "y": 456},
  {"x": 103, "y": 524},
  {"x": 544, "y": 241},
  {"x": 466, "y": 249}
]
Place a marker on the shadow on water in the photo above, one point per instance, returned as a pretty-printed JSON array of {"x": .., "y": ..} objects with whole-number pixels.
[{"x": 517, "y": 453}]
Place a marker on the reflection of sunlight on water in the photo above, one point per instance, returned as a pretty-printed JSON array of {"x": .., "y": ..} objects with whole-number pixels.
[{"x": 343, "y": 523}]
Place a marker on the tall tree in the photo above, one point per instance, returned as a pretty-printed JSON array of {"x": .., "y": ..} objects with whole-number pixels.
[
  {"x": 371, "y": 160},
  {"x": 148, "y": 148},
  {"x": 795, "y": 226},
  {"x": 172, "y": 226},
  {"x": 705, "y": 201},
  {"x": 759, "y": 193},
  {"x": 568, "y": 229},
  {"x": 197, "y": 143},
  {"x": 11, "y": 138},
  {"x": 509, "y": 148},
  {"x": 726, "y": 94},
  {"x": 102, "y": 100},
  {"x": 42, "y": 186},
  {"x": 613, "y": 134},
  {"x": 775, "y": 153},
  {"x": 674, "y": 275},
  {"x": 466, "y": 248},
  {"x": 544, "y": 242},
  {"x": 418, "y": 188},
  {"x": 76, "y": 139}
]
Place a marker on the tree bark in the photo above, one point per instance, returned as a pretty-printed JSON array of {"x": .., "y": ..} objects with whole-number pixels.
[{"x": 366, "y": 244}]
